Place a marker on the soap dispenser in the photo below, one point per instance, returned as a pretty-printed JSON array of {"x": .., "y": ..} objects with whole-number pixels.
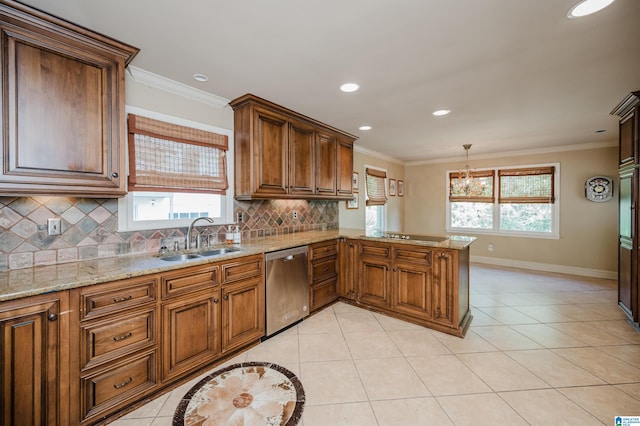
[{"x": 237, "y": 235}]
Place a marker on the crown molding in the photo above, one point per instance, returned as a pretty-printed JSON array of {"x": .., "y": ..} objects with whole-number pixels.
[
  {"x": 366, "y": 151},
  {"x": 535, "y": 151},
  {"x": 159, "y": 82}
]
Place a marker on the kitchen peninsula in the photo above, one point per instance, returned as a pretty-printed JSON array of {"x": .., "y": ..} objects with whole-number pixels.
[{"x": 122, "y": 329}]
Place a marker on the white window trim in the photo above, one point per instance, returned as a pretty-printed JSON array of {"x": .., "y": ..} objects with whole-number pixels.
[
  {"x": 125, "y": 204},
  {"x": 555, "y": 232},
  {"x": 386, "y": 186}
]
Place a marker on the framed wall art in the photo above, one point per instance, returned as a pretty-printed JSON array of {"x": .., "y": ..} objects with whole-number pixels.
[
  {"x": 353, "y": 203},
  {"x": 392, "y": 187},
  {"x": 400, "y": 188},
  {"x": 356, "y": 182}
]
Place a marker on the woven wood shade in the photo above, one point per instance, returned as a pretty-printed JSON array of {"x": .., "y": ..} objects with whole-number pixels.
[
  {"x": 484, "y": 176},
  {"x": 376, "y": 194},
  {"x": 169, "y": 157},
  {"x": 531, "y": 185}
]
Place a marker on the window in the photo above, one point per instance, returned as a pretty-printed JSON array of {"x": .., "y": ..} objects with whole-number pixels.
[
  {"x": 526, "y": 202},
  {"x": 177, "y": 172},
  {"x": 376, "y": 199}
]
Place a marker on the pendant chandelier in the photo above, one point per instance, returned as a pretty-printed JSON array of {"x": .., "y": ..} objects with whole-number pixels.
[{"x": 466, "y": 185}]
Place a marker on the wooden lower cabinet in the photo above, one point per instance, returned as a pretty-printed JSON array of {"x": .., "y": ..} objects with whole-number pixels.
[
  {"x": 242, "y": 313},
  {"x": 323, "y": 274},
  {"x": 348, "y": 279},
  {"x": 35, "y": 360},
  {"x": 429, "y": 286},
  {"x": 191, "y": 332}
]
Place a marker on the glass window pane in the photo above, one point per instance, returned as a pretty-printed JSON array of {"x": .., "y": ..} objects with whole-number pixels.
[
  {"x": 374, "y": 218},
  {"x": 178, "y": 205},
  {"x": 472, "y": 215},
  {"x": 526, "y": 217}
]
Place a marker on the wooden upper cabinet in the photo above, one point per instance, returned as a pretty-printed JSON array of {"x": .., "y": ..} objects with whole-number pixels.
[
  {"x": 63, "y": 124},
  {"x": 628, "y": 110},
  {"x": 344, "y": 171},
  {"x": 302, "y": 157},
  {"x": 282, "y": 154},
  {"x": 326, "y": 146}
]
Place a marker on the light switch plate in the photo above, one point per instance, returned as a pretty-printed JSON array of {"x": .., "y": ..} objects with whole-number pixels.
[{"x": 54, "y": 226}]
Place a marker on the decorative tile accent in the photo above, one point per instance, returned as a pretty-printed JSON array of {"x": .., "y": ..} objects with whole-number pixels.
[
  {"x": 256, "y": 393},
  {"x": 90, "y": 228}
]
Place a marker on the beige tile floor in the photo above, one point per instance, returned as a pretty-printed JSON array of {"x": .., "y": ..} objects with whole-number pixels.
[{"x": 543, "y": 349}]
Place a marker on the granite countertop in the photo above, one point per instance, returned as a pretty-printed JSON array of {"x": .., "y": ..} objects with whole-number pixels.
[{"x": 18, "y": 283}]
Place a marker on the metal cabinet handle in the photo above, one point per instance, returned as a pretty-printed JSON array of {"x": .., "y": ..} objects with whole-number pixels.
[
  {"x": 52, "y": 317},
  {"x": 125, "y": 383},
  {"x": 216, "y": 300},
  {"x": 124, "y": 336},
  {"x": 114, "y": 174},
  {"x": 225, "y": 297},
  {"x": 122, "y": 299}
]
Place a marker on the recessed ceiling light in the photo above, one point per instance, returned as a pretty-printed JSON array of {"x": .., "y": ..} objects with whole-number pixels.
[
  {"x": 587, "y": 7},
  {"x": 349, "y": 87},
  {"x": 364, "y": 127},
  {"x": 440, "y": 112},
  {"x": 200, "y": 77}
]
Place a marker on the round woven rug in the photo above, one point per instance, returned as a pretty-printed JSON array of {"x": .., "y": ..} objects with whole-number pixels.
[{"x": 250, "y": 394}]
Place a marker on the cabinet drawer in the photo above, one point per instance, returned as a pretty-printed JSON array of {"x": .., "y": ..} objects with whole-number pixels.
[
  {"x": 242, "y": 269},
  {"x": 413, "y": 255},
  {"x": 320, "y": 250},
  {"x": 117, "y": 296},
  {"x": 189, "y": 280},
  {"x": 323, "y": 293},
  {"x": 375, "y": 250},
  {"x": 322, "y": 269},
  {"x": 115, "y": 387},
  {"x": 116, "y": 336}
]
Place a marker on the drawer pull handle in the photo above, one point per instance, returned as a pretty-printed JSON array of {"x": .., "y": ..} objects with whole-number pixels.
[
  {"x": 124, "y": 336},
  {"x": 123, "y": 299},
  {"x": 325, "y": 269},
  {"x": 216, "y": 300},
  {"x": 52, "y": 317},
  {"x": 125, "y": 383}
]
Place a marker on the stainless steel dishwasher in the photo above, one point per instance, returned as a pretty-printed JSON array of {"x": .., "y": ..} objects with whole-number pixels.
[{"x": 287, "y": 292}]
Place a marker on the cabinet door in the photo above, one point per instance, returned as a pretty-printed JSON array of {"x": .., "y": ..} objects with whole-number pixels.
[
  {"x": 348, "y": 269},
  {"x": 302, "y": 178},
  {"x": 627, "y": 266},
  {"x": 627, "y": 147},
  {"x": 326, "y": 148},
  {"x": 190, "y": 327},
  {"x": 374, "y": 282},
  {"x": 35, "y": 366},
  {"x": 242, "y": 313},
  {"x": 344, "y": 178},
  {"x": 63, "y": 121},
  {"x": 443, "y": 291},
  {"x": 271, "y": 151},
  {"x": 412, "y": 287}
]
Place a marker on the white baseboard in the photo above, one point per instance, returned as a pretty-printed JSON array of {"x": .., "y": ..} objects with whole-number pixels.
[{"x": 547, "y": 267}]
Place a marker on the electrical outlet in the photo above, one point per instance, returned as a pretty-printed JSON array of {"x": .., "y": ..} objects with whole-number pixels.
[
  {"x": 295, "y": 214},
  {"x": 490, "y": 247},
  {"x": 54, "y": 226},
  {"x": 239, "y": 217}
]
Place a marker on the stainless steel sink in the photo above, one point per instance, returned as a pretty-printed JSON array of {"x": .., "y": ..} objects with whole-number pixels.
[
  {"x": 219, "y": 251},
  {"x": 178, "y": 257}
]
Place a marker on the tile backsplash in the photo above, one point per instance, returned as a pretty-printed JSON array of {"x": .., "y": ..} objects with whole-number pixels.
[{"x": 90, "y": 228}]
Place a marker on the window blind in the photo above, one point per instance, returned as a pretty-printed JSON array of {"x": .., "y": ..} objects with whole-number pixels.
[
  {"x": 376, "y": 194},
  {"x": 484, "y": 177},
  {"x": 169, "y": 157},
  {"x": 530, "y": 185}
]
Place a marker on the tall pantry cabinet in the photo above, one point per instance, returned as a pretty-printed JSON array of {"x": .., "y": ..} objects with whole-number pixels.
[{"x": 628, "y": 195}]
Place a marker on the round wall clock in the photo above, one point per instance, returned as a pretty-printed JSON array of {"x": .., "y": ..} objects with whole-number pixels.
[{"x": 598, "y": 189}]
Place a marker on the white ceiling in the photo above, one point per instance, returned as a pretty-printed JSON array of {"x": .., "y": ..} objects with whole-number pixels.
[{"x": 517, "y": 73}]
